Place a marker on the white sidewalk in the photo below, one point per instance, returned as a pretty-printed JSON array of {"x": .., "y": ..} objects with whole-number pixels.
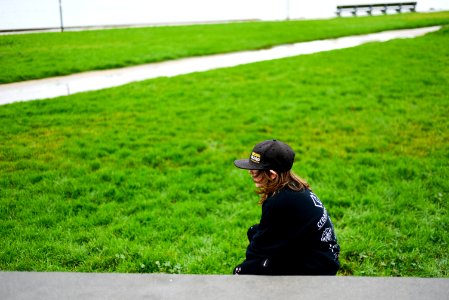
[
  {"x": 110, "y": 286},
  {"x": 95, "y": 80}
]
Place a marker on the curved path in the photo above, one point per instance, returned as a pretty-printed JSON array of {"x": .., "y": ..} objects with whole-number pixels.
[{"x": 95, "y": 80}]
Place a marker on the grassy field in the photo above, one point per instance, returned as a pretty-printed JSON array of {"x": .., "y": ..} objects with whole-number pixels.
[
  {"x": 32, "y": 56},
  {"x": 140, "y": 178}
]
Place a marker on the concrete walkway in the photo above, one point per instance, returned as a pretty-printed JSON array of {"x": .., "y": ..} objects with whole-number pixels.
[
  {"x": 95, "y": 80},
  {"x": 49, "y": 286}
]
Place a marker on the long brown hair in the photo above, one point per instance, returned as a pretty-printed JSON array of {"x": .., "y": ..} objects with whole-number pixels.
[{"x": 271, "y": 186}]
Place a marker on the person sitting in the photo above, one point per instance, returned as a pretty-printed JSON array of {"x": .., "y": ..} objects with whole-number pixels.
[{"x": 295, "y": 235}]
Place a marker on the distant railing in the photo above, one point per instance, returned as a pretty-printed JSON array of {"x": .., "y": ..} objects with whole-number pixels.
[
  {"x": 67, "y": 15},
  {"x": 382, "y": 7}
]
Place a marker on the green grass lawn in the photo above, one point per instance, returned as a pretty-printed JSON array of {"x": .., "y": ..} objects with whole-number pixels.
[
  {"x": 140, "y": 178},
  {"x": 31, "y": 56}
]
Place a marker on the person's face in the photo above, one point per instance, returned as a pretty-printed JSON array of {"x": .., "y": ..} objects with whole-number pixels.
[{"x": 257, "y": 177}]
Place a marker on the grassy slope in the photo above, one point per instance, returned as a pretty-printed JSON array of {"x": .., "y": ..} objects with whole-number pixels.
[
  {"x": 32, "y": 56},
  {"x": 140, "y": 178}
]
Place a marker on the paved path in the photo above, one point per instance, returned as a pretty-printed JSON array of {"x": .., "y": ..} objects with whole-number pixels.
[
  {"x": 95, "y": 80},
  {"x": 49, "y": 286}
]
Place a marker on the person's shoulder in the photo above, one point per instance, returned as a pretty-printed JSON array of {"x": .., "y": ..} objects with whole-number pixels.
[
  {"x": 304, "y": 198},
  {"x": 287, "y": 196},
  {"x": 289, "y": 193}
]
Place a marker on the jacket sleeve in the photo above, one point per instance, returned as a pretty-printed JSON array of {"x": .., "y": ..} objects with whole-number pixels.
[{"x": 252, "y": 231}]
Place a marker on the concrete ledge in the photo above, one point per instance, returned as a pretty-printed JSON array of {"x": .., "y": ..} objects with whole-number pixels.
[{"x": 38, "y": 285}]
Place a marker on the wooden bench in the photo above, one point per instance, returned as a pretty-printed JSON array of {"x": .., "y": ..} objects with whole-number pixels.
[{"x": 383, "y": 7}]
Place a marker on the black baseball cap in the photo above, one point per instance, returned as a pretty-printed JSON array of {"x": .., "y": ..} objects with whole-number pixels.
[{"x": 269, "y": 155}]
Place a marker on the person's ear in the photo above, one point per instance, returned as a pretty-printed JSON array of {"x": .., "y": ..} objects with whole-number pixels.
[{"x": 273, "y": 174}]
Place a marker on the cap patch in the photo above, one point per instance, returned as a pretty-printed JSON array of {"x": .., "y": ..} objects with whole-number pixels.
[{"x": 255, "y": 157}]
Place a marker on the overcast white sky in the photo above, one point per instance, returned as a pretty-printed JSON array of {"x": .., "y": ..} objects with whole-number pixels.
[{"x": 21, "y": 14}]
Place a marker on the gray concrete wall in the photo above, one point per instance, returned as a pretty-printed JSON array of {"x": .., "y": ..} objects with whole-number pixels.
[{"x": 36, "y": 285}]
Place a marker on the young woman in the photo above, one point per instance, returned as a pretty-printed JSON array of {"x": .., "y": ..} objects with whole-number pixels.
[{"x": 295, "y": 235}]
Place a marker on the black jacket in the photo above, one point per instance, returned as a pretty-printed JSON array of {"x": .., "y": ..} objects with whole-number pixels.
[{"x": 295, "y": 236}]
